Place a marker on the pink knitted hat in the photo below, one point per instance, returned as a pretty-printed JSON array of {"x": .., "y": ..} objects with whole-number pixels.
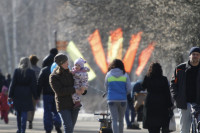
[{"x": 4, "y": 89}]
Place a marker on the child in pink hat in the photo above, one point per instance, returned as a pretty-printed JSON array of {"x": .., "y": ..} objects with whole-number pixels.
[{"x": 80, "y": 80}]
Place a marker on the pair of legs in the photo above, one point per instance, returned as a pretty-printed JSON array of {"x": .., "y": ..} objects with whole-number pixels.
[
  {"x": 21, "y": 121},
  {"x": 30, "y": 115},
  {"x": 69, "y": 117},
  {"x": 117, "y": 111},
  {"x": 51, "y": 116},
  {"x": 130, "y": 111},
  {"x": 4, "y": 115},
  {"x": 186, "y": 118},
  {"x": 164, "y": 129}
]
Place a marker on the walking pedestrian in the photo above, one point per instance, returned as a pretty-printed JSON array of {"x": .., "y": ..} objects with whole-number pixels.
[
  {"x": 158, "y": 100},
  {"x": 4, "y": 107},
  {"x": 185, "y": 88},
  {"x": 51, "y": 116},
  {"x": 62, "y": 83},
  {"x": 50, "y": 57},
  {"x": 117, "y": 84},
  {"x": 2, "y": 80},
  {"x": 130, "y": 113},
  {"x": 140, "y": 96},
  {"x": 33, "y": 59},
  {"x": 131, "y": 100},
  {"x": 8, "y": 79},
  {"x": 22, "y": 88}
]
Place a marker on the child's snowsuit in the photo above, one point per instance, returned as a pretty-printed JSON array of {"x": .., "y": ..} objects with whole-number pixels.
[{"x": 4, "y": 107}]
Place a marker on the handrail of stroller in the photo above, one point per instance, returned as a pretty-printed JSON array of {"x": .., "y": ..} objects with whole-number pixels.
[{"x": 104, "y": 114}]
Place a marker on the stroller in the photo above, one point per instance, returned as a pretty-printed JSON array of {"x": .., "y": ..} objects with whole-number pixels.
[{"x": 105, "y": 121}]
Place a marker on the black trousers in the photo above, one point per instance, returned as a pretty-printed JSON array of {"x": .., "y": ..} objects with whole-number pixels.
[{"x": 157, "y": 129}]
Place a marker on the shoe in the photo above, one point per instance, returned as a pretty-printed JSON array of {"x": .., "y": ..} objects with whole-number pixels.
[
  {"x": 136, "y": 127},
  {"x": 30, "y": 125},
  {"x": 77, "y": 105},
  {"x": 58, "y": 130},
  {"x": 133, "y": 127},
  {"x": 129, "y": 127},
  {"x": 48, "y": 131}
]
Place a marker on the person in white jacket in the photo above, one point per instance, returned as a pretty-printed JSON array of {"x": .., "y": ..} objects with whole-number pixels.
[{"x": 118, "y": 85}]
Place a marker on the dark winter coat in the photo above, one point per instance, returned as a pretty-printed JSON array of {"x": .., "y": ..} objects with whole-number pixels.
[
  {"x": 2, "y": 81},
  {"x": 48, "y": 60},
  {"x": 8, "y": 81},
  {"x": 22, "y": 89},
  {"x": 178, "y": 85},
  {"x": 157, "y": 103},
  {"x": 43, "y": 82},
  {"x": 62, "y": 83}
]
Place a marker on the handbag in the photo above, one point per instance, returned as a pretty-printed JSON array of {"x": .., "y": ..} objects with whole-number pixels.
[{"x": 172, "y": 124}]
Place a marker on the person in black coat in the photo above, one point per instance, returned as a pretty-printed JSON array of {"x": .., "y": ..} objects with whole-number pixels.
[
  {"x": 2, "y": 80},
  {"x": 51, "y": 116},
  {"x": 50, "y": 57},
  {"x": 22, "y": 88},
  {"x": 158, "y": 100},
  {"x": 8, "y": 79}
]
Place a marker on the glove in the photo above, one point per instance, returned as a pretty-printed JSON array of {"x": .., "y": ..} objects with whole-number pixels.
[
  {"x": 85, "y": 92},
  {"x": 129, "y": 98}
]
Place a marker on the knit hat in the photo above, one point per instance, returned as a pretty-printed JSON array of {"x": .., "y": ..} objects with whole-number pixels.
[
  {"x": 194, "y": 49},
  {"x": 4, "y": 89},
  {"x": 53, "y": 51},
  {"x": 60, "y": 59},
  {"x": 80, "y": 62}
]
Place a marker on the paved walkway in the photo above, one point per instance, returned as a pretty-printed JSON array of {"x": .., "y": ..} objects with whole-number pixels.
[{"x": 87, "y": 123}]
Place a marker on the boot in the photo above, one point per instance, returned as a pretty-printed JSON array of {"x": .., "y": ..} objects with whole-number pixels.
[
  {"x": 30, "y": 125},
  {"x": 58, "y": 130}
]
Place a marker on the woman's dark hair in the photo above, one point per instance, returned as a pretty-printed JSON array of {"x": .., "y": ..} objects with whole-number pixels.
[
  {"x": 155, "y": 70},
  {"x": 116, "y": 63}
]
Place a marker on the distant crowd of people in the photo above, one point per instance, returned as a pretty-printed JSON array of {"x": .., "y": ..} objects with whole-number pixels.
[
  {"x": 151, "y": 99},
  {"x": 61, "y": 89}
]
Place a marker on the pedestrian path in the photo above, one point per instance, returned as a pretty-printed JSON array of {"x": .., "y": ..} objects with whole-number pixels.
[{"x": 86, "y": 123}]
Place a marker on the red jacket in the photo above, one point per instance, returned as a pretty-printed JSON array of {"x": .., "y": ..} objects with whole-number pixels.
[{"x": 3, "y": 102}]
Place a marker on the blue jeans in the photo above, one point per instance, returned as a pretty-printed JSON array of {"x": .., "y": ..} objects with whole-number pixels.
[
  {"x": 129, "y": 109},
  {"x": 51, "y": 116},
  {"x": 21, "y": 121},
  {"x": 69, "y": 117},
  {"x": 117, "y": 111},
  {"x": 186, "y": 118}
]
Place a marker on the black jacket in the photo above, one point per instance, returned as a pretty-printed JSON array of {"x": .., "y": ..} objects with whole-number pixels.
[
  {"x": 43, "y": 82},
  {"x": 2, "y": 81},
  {"x": 48, "y": 60},
  {"x": 22, "y": 88},
  {"x": 178, "y": 85},
  {"x": 157, "y": 103},
  {"x": 62, "y": 83}
]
